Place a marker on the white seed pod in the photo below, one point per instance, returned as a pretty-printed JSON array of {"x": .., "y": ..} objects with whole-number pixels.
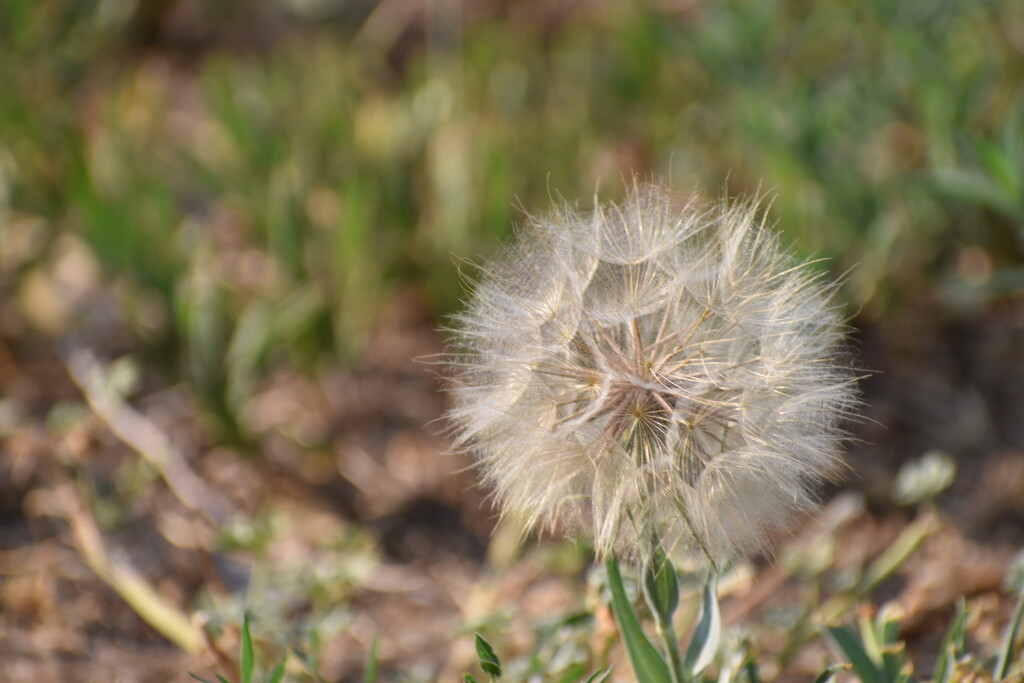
[{"x": 651, "y": 370}]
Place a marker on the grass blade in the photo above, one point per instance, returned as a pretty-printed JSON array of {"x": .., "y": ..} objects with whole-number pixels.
[
  {"x": 246, "y": 662},
  {"x": 977, "y": 190},
  {"x": 278, "y": 673},
  {"x": 1005, "y": 660},
  {"x": 647, "y": 662},
  {"x": 952, "y": 644},
  {"x": 706, "y": 635},
  {"x": 370, "y": 671},
  {"x": 828, "y": 674},
  {"x": 851, "y": 648}
]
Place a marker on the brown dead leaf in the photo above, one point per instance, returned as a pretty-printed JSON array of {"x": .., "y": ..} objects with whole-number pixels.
[{"x": 947, "y": 566}]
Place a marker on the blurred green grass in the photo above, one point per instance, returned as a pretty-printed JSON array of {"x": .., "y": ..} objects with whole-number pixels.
[{"x": 261, "y": 203}]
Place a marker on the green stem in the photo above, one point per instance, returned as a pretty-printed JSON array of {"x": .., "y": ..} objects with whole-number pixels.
[
  {"x": 667, "y": 633},
  {"x": 1006, "y": 651}
]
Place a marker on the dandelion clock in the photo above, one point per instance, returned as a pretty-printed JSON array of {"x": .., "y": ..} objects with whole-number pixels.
[{"x": 651, "y": 370}]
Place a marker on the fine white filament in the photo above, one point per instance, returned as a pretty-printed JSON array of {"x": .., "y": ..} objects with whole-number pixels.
[{"x": 651, "y": 370}]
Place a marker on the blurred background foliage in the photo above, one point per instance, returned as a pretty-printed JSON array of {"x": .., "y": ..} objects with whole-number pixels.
[
  {"x": 231, "y": 189},
  {"x": 253, "y": 181}
]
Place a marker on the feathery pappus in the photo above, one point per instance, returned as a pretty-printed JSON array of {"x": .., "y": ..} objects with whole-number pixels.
[{"x": 652, "y": 369}]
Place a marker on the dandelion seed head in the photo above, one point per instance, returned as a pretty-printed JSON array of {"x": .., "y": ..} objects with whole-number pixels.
[{"x": 652, "y": 370}]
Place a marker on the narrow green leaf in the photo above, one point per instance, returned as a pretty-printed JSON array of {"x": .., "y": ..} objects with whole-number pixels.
[
  {"x": 199, "y": 678},
  {"x": 278, "y": 673},
  {"x": 1013, "y": 142},
  {"x": 573, "y": 674},
  {"x": 869, "y": 640},
  {"x": 880, "y": 642},
  {"x": 468, "y": 678},
  {"x": 750, "y": 668},
  {"x": 1006, "y": 650},
  {"x": 997, "y": 164},
  {"x": 888, "y": 624},
  {"x": 246, "y": 661},
  {"x": 370, "y": 671},
  {"x": 262, "y": 326},
  {"x": 489, "y": 661},
  {"x": 647, "y": 663},
  {"x": 972, "y": 188},
  {"x": 708, "y": 632},
  {"x": 661, "y": 585},
  {"x": 222, "y": 679},
  {"x": 851, "y": 648},
  {"x": 828, "y": 674},
  {"x": 892, "y": 661},
  {"x": 314, "y": 653},
  {"x": 957, "y": 635},
  {"x": 599, "y": 676},
  {"x": 1014, "y": 580}
]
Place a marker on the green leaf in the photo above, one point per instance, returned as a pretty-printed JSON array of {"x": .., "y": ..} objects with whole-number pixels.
[
  {"x": 314, "y": 653},
  {"x": 828, "y": 674},
  {"x": 708, "y": 632},
  {"x": 599, "y": 676},
  {"x": 952, "y": 644},
  {"x": 749, "y": 666},
  {"x": 869, "y": 639},
  {"x": 851, "y": 648},
  {"x": 1014, "y": 580},
  {"x": 468, "y": 678},
  {"x": 278, "y": 673},
  {"x": 647, "y": 663},
  {"x": 370, "y": 671},
  {"x": 1013, "y": 142},
  {"x": 971, "y": 188},
  {"x": 489, "y": 661},
  {"x": 199, "y": 678},
  {"x": 997, "y": 164},
  {"x": 260, "y": 328},
  {"x": 892, "y": 661},
  {"x": 661, "y": 585},
  {"x": 246, "y": 661},
  {"x": 571, "y": 674},
  {"x": 878, "y": 638},
  {"x": 1006, "y": 650}
]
